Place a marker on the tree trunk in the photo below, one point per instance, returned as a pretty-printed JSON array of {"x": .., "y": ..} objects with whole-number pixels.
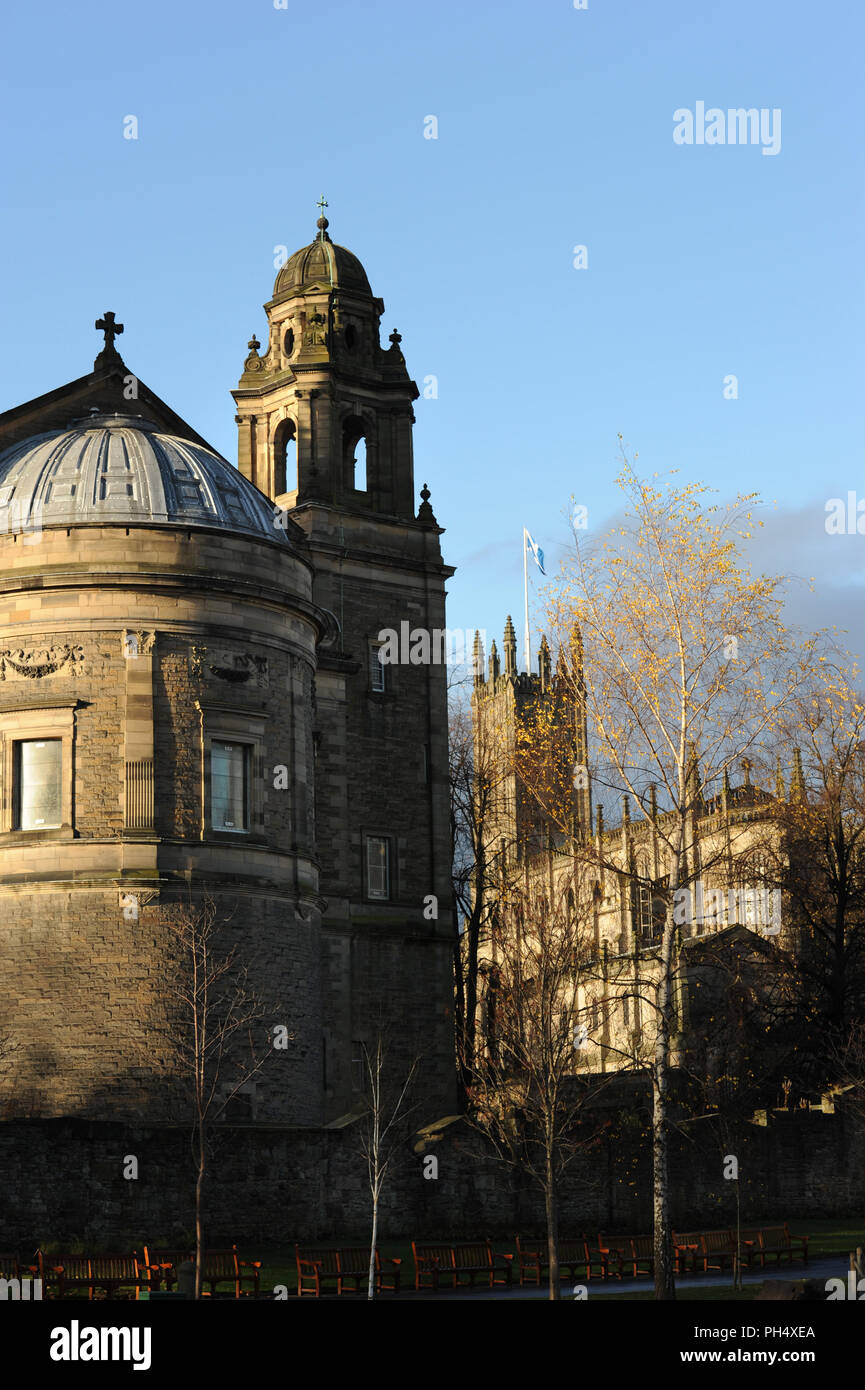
[
  {"x": 370, "y": 1293},
  {"x": 199, "y": 1236},
  {"x": 552, "y": 1228},
  {"x": 471, "y": 994},
  {"x": 664, "y": 1282},
  {"x": 459, "y": 1008}
]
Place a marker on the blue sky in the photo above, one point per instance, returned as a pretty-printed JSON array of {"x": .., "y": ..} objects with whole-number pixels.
[{"x": 554, "y": 130}]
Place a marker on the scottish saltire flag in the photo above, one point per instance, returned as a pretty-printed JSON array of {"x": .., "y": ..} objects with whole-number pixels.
[{"x": 537, "y": 552}]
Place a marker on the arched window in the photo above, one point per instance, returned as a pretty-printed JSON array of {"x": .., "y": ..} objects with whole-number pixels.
[
  {"x": 360, "y": 465},
  {"x": 285, "y": 458},
  {"x": 354, "y": 454}
]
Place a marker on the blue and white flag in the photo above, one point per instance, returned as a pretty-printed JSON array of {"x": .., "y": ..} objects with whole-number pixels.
[{"x": 537, "y": 553}]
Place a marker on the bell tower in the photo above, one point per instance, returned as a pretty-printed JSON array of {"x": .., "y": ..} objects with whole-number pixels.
[
  {"x": 325, "y": 422},
  {"x": 326, "y": 399}
]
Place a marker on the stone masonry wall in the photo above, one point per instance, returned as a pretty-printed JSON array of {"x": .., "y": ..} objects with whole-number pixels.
[
  {"x": 87, "y": 1002},
  {"x": 63, "y": 1180}
]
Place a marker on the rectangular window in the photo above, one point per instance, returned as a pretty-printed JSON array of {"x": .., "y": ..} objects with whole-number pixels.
[
  {"x": 37, "y": 783},
  {"x": 376, "y": 669},
  {"x": 229, "y": 785},
  {"x": 377, "y": 867}
]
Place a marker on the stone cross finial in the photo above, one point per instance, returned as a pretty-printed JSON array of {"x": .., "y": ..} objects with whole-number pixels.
[{"x": 109, "y": 328}]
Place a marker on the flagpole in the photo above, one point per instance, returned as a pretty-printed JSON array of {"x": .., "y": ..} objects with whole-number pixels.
[{"x": 528, "y": 652}]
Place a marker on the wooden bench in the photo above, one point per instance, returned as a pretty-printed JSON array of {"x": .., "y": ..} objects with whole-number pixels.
[
  {"x": 777, "y": 1241},
  {"x": 610, "y": 1251},
  {"x": 162, "y": 1266},
  {"x": 717, "y": 1249},
  {"x": 641, "y": 1256},
  {"x": 707, "y": 1250},
  {"x": 219, "y": 1267},
  {"x": 12, "y": 1268},
  {"x": 67, "y": 1273},
  {"x": 439, "y": 1261},
  {"x": 687, "y": 1246},
  {"x": 113, "y": 1272},
  {"x": 41, "y": 1268},
  {"x": 533, "y": 1256},
  {"x": 317, "y": 1264},
  {"x": 226, "y": 1267}
]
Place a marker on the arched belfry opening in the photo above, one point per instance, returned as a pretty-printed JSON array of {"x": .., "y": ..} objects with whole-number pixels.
[
  {"x": 350, "y": 396},
  {"x": 354, "y": 454},
  {"x": 285, "y": 458}
]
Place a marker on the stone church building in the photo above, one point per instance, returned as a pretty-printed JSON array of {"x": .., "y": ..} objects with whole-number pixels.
[
  {"x": 192, "y": 710},
  {"x": 610, "y": 882}
]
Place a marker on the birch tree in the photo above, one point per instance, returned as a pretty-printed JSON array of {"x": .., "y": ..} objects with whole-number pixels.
[
  {"x": 685, "y": 667},
  {"x": 386, "y": 1110}
]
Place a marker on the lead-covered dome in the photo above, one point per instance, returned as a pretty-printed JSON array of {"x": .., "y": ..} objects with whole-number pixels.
[
  {"x": 121, "y": 469},
  {"x": 322, "y": 262}
]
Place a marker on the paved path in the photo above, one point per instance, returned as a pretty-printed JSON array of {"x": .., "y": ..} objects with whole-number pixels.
[{"x": 823, "y": 1268}]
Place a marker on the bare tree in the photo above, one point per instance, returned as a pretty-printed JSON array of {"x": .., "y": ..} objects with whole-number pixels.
[
  {"x": 476, "y": 771},
  {"x": 214, "y": 1033},
  {"x": 531, "y": 1081},
  {"x": 384, "y": 1125},
  {"x": 814, "y": 852}
]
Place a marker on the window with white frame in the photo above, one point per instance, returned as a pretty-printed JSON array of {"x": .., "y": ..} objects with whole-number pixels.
[
  {"x": 377, "y": 867},
  {"x": 229, "y": 785},
  {"x": 37, "y": 768},
  {"x": 232, "y": 761}
]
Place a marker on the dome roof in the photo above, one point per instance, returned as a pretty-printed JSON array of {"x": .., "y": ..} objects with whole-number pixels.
[
  {"x": 324, "y": 261},
  {"x": 121, "y": 470}
]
